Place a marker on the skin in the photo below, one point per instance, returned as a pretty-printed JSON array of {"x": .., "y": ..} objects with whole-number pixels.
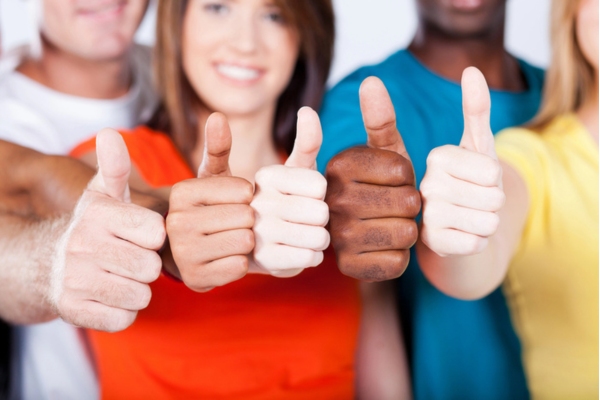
[
  {"x": 240, "y": 203},
  {"x": 373, "y": 208},
  {"x": 89, "y": 42},
  {"x": 466, "y": 254},
  {"x": 39, "y": 192},
  {"x": 37, "y": 196},
  {"x": 450, "y": 38},
  {"x": 447, "y": 41}
]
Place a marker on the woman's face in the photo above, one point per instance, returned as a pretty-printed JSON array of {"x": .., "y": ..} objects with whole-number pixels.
[
  {"x": 587, "y": 31},
  {"x": 239, "y": 55}
]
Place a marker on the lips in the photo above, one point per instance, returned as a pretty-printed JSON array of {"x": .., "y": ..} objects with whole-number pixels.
[
  {"x": 238, "y": 73},
  {"x": 102, "y": 10},
  {"x": 466, "y": 5}
]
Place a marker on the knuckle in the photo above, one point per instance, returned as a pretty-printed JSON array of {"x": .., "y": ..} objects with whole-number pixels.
[
  {"x": 473, "y": 244},
  {"x": 265, "y": 175},
  {"x": 152, "y": 267},
  {"x": 436, "y": 157},
  {"x": 498, "y": 198},
  {"x": 246, "y": 216},
  {"x": 144, "y": 296},
  {"x": 246, "y": 241},
  {"x": 321, "y": 213},
  {"x": 246, "y": 191},
  {"x": 322, "y": 239},
  {"x": 492, "y": 172},
  {"x": 120, "y": 320},
  {"x": 493, "y": 223},
  {"x": 409, "y": 233},
  {"x": 319, "y": 184},
  {"x": 176, "y": 197},
  {"x": 344, "y": 237},
  {"x": 156, "y": 231}
]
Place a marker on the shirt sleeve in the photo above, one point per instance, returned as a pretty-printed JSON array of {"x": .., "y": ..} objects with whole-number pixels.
[{"x": 524, "y": 150}]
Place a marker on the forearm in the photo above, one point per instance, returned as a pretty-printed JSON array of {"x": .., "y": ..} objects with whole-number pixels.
[
  {"x": 381, "y": 363},
  {"x": 465, "y": 277},
  {"x": 26, "y": 252},
  {"x": 476, "y": 275}
]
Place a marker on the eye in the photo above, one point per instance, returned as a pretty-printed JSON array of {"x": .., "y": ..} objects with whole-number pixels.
[
  {"x": 275, "y": 15},
  {"x": 216, "y": 8}
]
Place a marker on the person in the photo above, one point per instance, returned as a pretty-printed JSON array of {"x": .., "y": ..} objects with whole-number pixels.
[
  {"x": 456, "y": 349},
  {"x": 89, "y": 75},
  {"x": 256, "y": 62},
  {"x": 524, "y": 211}
]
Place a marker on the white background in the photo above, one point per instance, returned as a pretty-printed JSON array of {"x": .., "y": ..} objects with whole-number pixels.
[{"x": 367, "y": 30}]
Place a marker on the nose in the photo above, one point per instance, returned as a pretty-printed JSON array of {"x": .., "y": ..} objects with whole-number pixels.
[{"x": 245, "y": 36}]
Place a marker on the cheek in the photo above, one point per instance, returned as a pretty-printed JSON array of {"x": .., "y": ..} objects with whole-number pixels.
[
  {"x": 587, "y": 30},
  {"x": 284, "y": 50}
]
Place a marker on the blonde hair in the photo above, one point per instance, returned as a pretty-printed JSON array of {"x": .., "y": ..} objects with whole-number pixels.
[{"x": 570, "y": 75}]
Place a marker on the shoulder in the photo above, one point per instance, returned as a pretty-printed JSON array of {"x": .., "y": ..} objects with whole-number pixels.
[
  {"x": 534, "y": 75},
  {"x": 20, "y": 122}
]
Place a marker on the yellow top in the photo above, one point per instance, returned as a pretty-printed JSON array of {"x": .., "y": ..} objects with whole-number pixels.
[{"x": 552, "y": 282}]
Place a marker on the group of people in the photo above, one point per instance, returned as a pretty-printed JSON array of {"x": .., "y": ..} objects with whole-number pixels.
[{"x": 222, "y": 226}]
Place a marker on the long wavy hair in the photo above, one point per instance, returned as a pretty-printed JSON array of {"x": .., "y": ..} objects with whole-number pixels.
[{"x": 176, "y": 116}]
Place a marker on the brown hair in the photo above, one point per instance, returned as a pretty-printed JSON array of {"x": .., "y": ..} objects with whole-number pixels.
[
  {"x": 570, "y": 75},
  {"x": 314, "y": 22}
]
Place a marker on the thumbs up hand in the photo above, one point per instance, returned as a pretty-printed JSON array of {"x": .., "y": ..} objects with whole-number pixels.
[
  {"x": 290, "y": 212},
  {"x": 210, "y": 219},
  {"x": 371, "y": 195},
  {"x": 107, "y": 256},
  {"x": 462, "y": 188}
]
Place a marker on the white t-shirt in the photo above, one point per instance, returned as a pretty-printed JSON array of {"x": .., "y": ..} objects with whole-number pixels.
[{"x": 51, "y": 360}]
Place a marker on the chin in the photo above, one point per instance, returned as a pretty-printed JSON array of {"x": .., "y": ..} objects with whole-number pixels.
[{"x": 109, "y": 50}]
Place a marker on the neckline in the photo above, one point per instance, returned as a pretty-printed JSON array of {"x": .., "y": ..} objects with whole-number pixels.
[
  {"x": 524, "y": 66},
  {"x": 52, "y": 95}
]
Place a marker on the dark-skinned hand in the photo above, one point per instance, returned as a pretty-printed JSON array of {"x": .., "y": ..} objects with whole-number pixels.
[{"x": 371, "y": 195}]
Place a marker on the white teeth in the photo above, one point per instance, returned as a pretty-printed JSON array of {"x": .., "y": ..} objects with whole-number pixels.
[{"x": 239, "y": 73}]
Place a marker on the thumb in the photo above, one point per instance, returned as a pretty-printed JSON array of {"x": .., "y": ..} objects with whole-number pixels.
[
  {"x": 217, "y": 146},
  {"x": 114, "y": 166},
  {"x": 379, "y": 117},
  {"x": 477, "y": 135},
  {"x": 309, "y": 137}
]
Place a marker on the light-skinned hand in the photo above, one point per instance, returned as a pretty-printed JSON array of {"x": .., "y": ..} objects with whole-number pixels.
[
  {"x": 210, "y": 220},
  {"x": 371, "y": 195},
  {"x": 290, "y": 212},
  {"x": 462, "y": 188},
  {"x": 108, "y": 256}
]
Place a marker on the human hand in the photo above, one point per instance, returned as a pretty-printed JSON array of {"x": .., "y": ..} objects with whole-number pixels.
[
  {"x": 371, "y": 195},
  {"x": 290, "y": 212},
  {"x": 107, "y": 257},
  {"x": 210, "y": 219},
  {"x": 462, "y": 188}
]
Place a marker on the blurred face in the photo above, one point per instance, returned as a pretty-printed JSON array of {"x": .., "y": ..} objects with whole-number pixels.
[
  {"x": 92, "y": 29},
  {"x": 239, "y": 55},
  {"x": 462, "y": 18},
  {"x": 587, "y": 31}
]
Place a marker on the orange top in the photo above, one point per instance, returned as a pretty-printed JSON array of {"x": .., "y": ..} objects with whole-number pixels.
[{"x": 257, "y": 338}]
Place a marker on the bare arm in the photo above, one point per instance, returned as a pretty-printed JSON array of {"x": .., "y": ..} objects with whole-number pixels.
[
  {"x": 381, "y": 366},
  {"x": 37, "y": 194},
  {"x": 472, "y": 276},
  {"x": 474, "y": 207}
]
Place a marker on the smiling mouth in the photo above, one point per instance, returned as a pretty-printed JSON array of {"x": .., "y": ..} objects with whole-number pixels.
[
  {"x": 104, "y": 11},
  {"x": 238, "y": 73},
  {"x": 466, "y": 4}
]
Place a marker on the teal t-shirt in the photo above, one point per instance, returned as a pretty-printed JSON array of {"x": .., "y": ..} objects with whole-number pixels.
[{"x": 457, "y": 349}]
